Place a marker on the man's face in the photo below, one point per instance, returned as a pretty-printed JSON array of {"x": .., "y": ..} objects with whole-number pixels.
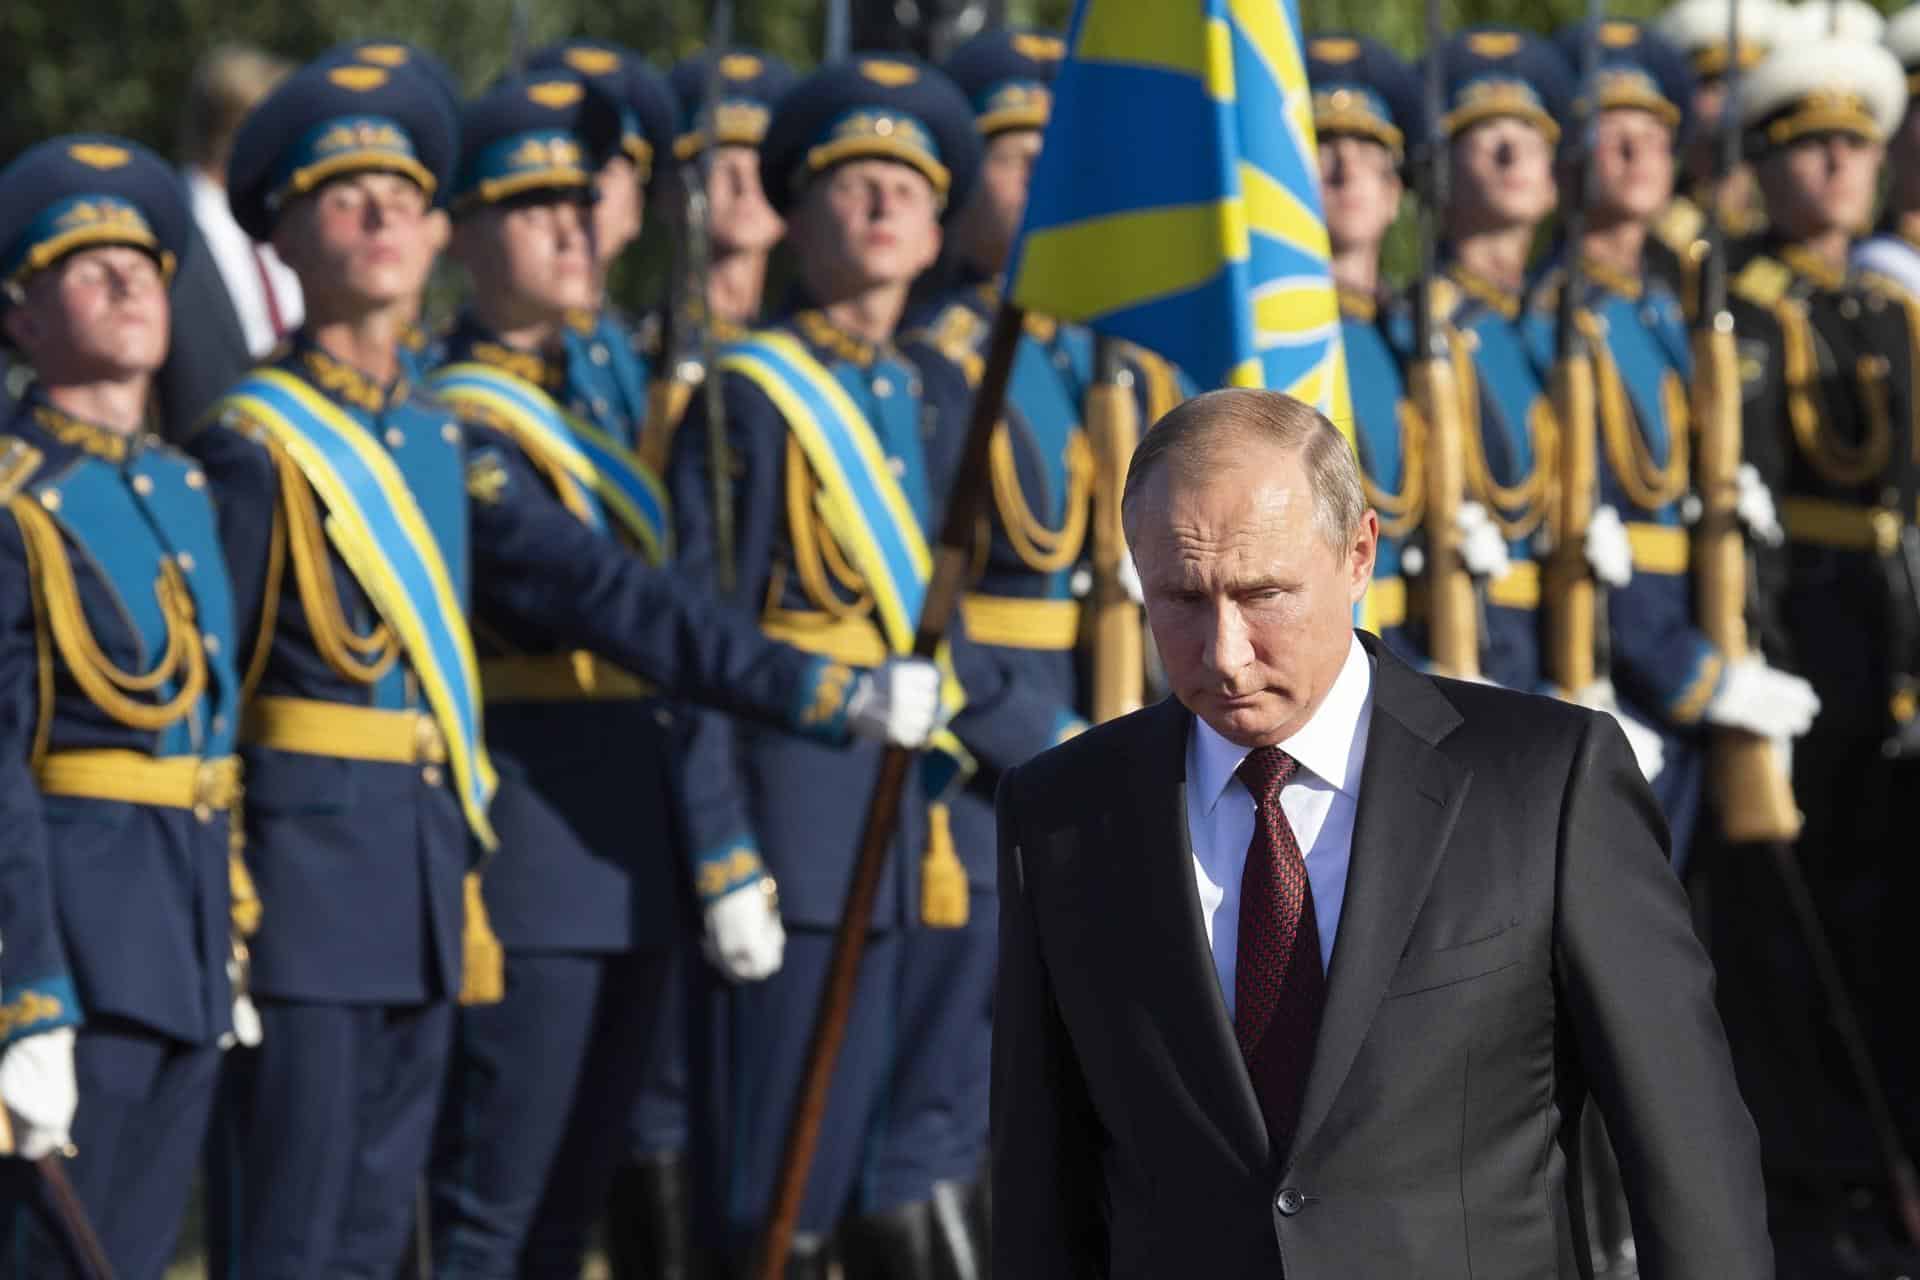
[
  {"x": 359, "y": 242},
  {"x": 1709, "y": 97},
  {"x": 1251, "y": 608},
  {"x": 96, "y": 315},
  {"x": 991, "y": 221},
  {"x": 740, "y": 219},
  {"x": 1502, "y": 176},
  {"x": 1631, "y": 179},
  {"x": 537, "y": 252},
  {"x": 1821, "y": 183},
  {"x": 1360, "y": 187},
  {"x": 619, "y": 208},
  {"x": 1903, "y": 154},
  {"x": 864, "y": 225}
]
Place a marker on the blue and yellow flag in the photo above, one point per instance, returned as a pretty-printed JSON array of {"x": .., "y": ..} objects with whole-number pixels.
[{"x": 1177, "y": 201}]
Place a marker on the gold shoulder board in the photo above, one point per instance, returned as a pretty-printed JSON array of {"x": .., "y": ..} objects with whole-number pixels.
[
  {"x": 18, "y": 463},
  {"x": 1763, "y": 281}
]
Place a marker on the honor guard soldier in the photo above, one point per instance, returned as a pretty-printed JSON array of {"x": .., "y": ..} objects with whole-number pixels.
[
  {"x": 718, "y": 299},
  {"x": 1023, "y": 612},
  {"x": 1365, "y": 115},
  {"x": 1894, "y": 250},
  {"x": 360, "y": 515},
  {"x": 117, "y": 772},
  {"x": 839, "y": 446},
  {"x": 1667, "y": 674},
  {"x": 727, "y": 239},
  {"x": 584, "y": 902},
  {"x": 1827, "y": 371},
  {"x": 620, "y": 354},
  {"x": 1698, "y": 29},
  {"x": 1504, "y": 93}
]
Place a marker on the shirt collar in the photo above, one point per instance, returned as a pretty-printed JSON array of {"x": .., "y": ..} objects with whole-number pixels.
[{"x": 1331, "y": 746}]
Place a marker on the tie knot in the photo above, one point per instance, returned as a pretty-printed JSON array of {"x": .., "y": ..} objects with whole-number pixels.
[{"x": 1266, "y": 770}]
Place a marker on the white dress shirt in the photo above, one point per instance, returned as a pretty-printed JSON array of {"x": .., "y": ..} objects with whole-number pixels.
[
  {"x": 1320, "y": 802},
  {"x": 246, "y": 268}
]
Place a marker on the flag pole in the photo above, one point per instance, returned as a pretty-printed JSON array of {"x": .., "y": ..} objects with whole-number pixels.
[{"x": 966, "y": 502}]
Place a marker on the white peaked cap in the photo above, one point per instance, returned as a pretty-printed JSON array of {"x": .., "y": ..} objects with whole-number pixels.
[{"x": 1820, "y": 85}]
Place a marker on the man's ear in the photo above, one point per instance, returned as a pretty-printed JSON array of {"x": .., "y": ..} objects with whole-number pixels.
[
  {"x": 1361, "y": 554},
  {"x": 20, "y": 326}
]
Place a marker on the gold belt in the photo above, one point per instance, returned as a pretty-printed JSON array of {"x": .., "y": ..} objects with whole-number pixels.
[
  {"x": 558, "y": 677},
  {"x": 1016, "y": 623},
  {"x": 854, "y": 641},
  {"x": 1386, "y": 603},
  {"x": 132, "y": 777},
  {"x": 335, "y": 729},
  {"x": 1842, "y": 526},
  {"x": 1517, "y": 588},
  {"x": 1659, "y": 548}
]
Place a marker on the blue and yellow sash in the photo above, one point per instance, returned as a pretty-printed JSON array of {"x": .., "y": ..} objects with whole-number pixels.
[
  {"x": 611, "y": 477},
  {"x": 376, "y": 525},
  {"x": 859, "y": 499}
]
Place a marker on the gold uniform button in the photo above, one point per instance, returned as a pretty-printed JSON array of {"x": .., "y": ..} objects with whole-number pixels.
[
  {"x": 395, "y": 437},
  {"x": 50, "y": 499},
  {"x": 196, "y": 479},
  {"x": 450, "y": 433},
  {"x": 882, "y": 387},
  {"x": 211, "y": 643},
  {"x": 185, "y": 561},
  {"x": 143, "y": 485},
  {"x": 599, "y": 353},
  {"x": 431, "y": 775},
  {"x": 898, "y": 466}
]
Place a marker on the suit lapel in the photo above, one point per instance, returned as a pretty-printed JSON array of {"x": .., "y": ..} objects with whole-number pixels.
[
  {"x": 1410, "y": 796},
  {"x": 1197, "y": 1031}
]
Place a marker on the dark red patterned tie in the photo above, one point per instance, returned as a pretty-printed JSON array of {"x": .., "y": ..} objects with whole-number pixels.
[{"x": 1278, "y": 985}]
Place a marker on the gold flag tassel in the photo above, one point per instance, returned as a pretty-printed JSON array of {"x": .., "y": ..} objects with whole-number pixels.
[
  {"x": 483, "y": 965},
  {"x": 943, "y": 880}
]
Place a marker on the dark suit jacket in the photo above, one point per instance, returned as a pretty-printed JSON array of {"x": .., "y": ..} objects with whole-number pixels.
[{"x": 1511, "y": 943}]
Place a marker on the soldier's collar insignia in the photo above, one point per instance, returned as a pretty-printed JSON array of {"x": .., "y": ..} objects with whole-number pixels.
[{"x": 88, "y": 437}]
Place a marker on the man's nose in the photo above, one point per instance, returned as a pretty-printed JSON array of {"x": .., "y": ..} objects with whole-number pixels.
[{"x": 1227, "y": 648}]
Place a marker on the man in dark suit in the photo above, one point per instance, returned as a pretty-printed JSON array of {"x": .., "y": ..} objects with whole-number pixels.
[{"x": 1309, "y": 971}]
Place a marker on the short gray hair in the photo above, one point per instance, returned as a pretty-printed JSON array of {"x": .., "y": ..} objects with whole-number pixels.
[{"x": 1198, "y": 434}]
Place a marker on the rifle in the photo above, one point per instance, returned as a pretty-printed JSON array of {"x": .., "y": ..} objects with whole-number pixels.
[
  {"x": 1745, "y": 776},
  {"x": 700, "y": 242},
  {"x": 1113, "y": 425},
  {"x": 1453, "y": 611},
  {"x": 1575, "y": 608}
]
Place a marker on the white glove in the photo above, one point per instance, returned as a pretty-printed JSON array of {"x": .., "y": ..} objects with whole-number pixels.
[
  {"x": 745, "y": 939},
  {"x": 1754, "y": 506},
  {"x": 1482, "y": 546},
  {"x": 1608, "y": 552},
  {"x": 246, "y": 1019},
  {"x": 898, "y": 702},
  {"x": 1763, "y": 700},
  {"x": 1129, "y": 579},
  {"x": 38, "y": 1086},
  {"x": 1648, "y": 751}
]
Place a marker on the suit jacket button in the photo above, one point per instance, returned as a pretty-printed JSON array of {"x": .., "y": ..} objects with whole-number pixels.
[{"x": 1289, "y": 1202}]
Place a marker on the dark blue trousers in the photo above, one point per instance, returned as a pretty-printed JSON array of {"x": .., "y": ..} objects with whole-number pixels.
[
  {"x": 530, "y": 1132},
  {"x": 322, "y": 1140},
  {"x": 660, "y": 1122},
  {"x": 937, "y": 1128},
  {"x": 140, "y": 1128},
  {"x": 749, "y": 1048}
]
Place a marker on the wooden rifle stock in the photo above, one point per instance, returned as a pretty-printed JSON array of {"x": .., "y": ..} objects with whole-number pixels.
[
  {"x": 965, "y": 505},
  {"x": 1453, "y": 611},
  {"x": 1119, "y": 657},
  {"x": 1570, "y": 595},
  {"x": 1749, "y": 786}
]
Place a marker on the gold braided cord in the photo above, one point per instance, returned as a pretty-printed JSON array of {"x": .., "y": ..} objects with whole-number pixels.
[
  {"x": 1401, "y": 513},
  {"x": 815, "y": 551},
  {"x": 106, "y": 685},
  {"x": 42, "y": 648},
  {"x": 1517, "y": 509},
  {"x": 1042, "y": 549},
  {"x": 362, "y": 659},
  {"x": 1648, "y": 484},
  {"x": 1838, "y": 463},
  {"x": 269, "y": 605}
]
